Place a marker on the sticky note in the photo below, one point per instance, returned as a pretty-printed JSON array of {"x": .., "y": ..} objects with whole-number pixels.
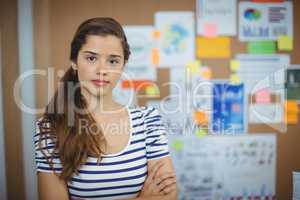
[
  {"x": 209, "y": 30},
  {"x": 200, "y": 133},
  {"x": 234, "y": 65},
  {"x": 200, "y": 117},
  {"x": 291, "y": 106},
  {"x": 193, "y": 67},
  {"x": 235, "y": 79},
  {"x": 261, "y": 47},
  {"x": 291, "y": 118},
  {"x": 156, "y": 34},
  {"x": 263, "y": 96},
  {"x": 155, "y": 56},
  {"x": 136, "y": 84},
  {"x": 217, "y": 47},
  {"x": 285, "y": 43},
  {"x": 152, "y": 91},
  {"x": 206, "y": 73},
  {"x": 177, "y": 145}
]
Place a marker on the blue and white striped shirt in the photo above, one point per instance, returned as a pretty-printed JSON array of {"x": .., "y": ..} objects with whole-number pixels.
[{"x": 120, "y": 175}]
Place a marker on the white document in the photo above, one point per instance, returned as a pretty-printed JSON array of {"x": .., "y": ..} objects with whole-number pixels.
[
  {"x": 219, "y": 13},
  {"x": 265, "y": 21},
  {"x": 225, "y": 167},
  {"x": 176, "y": 43},
  {"x": 263, "y": 71},
  {"x": 296, "y": 185},
  {"x": 139, "y": 66}
]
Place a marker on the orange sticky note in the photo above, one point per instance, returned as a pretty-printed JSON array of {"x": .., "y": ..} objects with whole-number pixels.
[
  {"x": 210, "y": 30},
  {"x": 291, "y": 106},
  {"x": 155, "y": 56},
  {"x": 217, "y": 47},
  {"x": 136, "y": 84},
  {"x": 156, "y": 34},
  {"x": 206, "y": 73},
  {"x": 263, "y": 96},
  {"x": 291, "y": 118},
  {"x": 201, "y": 117}
]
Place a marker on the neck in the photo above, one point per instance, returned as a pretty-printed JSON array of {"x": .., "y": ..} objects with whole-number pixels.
[{"x": 100, "y": 105}]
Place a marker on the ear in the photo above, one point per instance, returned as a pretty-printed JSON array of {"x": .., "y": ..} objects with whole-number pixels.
[{"x": 73, "y": 65}]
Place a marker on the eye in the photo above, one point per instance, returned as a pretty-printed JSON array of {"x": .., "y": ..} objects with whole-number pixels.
[
  {"x": 113, "y": 61},
  {"x": 91, "y": 58}
]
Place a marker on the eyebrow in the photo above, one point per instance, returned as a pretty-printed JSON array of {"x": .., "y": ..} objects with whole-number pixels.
[{"x": 94, "y": 53}]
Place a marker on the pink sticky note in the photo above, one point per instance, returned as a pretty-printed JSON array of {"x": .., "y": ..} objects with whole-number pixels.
[
  {"x": 263, "y": 96},
  {"x": 210, "y": 30}
]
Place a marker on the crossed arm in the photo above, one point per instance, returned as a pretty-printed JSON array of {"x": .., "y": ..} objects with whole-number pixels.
[{"x": 159, "y": 185}]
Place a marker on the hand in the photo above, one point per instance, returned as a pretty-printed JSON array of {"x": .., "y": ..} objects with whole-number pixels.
[{"x": 157, "y": 183}]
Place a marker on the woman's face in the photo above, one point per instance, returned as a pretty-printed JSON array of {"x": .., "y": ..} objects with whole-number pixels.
[{"x": 100, "y": 64}]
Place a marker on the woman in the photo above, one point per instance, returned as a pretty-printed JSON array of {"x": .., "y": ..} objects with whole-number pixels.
[{"x": 90, "y": 147}]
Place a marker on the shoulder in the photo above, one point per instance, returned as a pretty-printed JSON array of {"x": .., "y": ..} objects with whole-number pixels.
[
  {"x": 44, "y": 133},
  {"x": 146, "y": 111}
]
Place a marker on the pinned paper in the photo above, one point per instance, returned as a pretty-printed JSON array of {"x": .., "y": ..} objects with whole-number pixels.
[
  {"x": 194, "y": 66},
  {"x": 285, "y": 43},
  {"x": 218, "y": 47},
  {"x": 201, "y": 117},
  {"x": 235, "y": 79},
  {"x": 177, "y": 145},
  {"x": 262, "y": 47},
  {"x": 152, "y": 91},
  {"x": 200, "y": 133},
  {"x": 263, "y": 96},
  {"x": 234, "y": 65},
  {"x": 155, "y": 56},
  {"x": 210, "y": 30},
  {"x": 206, "y": 73},
  {"x": 136, "y": 84},
  {"x": 291, "y": 118}
]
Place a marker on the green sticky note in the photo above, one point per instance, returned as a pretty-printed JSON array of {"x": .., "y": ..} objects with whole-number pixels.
[
  {"x": 177, "y": 145},
  {"x": 285, "y": 43},
  {"x": 262, "y": 47},
  {"x": 200, "y": 133},
  {"x": 152, "y": 91}
]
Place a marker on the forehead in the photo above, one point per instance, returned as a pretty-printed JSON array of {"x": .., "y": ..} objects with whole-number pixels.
[{"x": 103, "y": 44}]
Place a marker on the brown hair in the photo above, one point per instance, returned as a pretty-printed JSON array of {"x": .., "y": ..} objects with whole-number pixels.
[{"x": 73, "y": 144}]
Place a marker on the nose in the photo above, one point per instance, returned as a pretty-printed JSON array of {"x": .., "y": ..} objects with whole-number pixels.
[{"x": 101, "y": 69}]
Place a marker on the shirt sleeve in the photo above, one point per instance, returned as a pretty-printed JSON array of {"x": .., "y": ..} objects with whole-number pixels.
[
  {"x": 46, "y": 159},
  {"x": 156, "y": 135}
]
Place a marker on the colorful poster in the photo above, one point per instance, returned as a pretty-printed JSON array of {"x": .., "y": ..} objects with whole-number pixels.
[
  {"x": 228, "y": 106},
  {"x": 139, "y": 66},
  {"x": 176, "y": 42},
  {"x": 216, "y": 17},
  {"x": 225, "y": 167},
  {"x": 267, "y": 21}
]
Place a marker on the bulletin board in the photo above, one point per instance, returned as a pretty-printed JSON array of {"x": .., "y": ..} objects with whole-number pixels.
[{"x": 55, "y": 21}]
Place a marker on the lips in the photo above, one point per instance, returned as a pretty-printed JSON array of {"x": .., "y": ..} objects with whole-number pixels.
[{"x": 99, "y": 82}]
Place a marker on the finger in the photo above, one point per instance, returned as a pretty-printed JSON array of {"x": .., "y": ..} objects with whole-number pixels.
[
  {"x": 166, "y": 183},
  {"x": 159, "y": 179},
  {"x": 168, "y": 189}
]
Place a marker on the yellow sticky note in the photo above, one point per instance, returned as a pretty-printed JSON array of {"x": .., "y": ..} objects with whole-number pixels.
[
  {"x": 285, "y": 43},
  {"x": 217, "y": 47},
  {"x": 177, "y": 145},
  {"x": 234, "y": 65},
  {"x": 200, "y": 133},
  {"x": 152, "y": 91},
  {"x": 235, "y": 79},
  {"x": 194, "y": 66}
]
